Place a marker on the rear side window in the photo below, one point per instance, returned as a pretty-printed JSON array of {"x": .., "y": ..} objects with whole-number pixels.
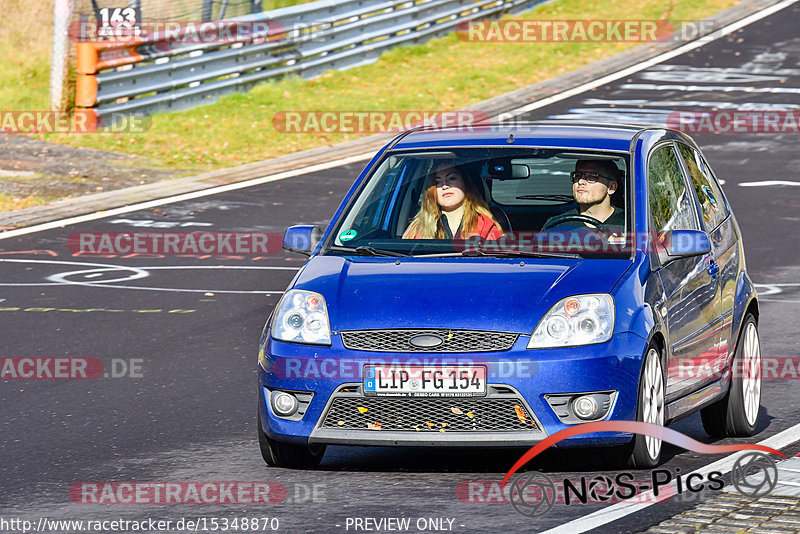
[
  {"x": 670, "y": 199},
  {"x": 712, "y": 205}
]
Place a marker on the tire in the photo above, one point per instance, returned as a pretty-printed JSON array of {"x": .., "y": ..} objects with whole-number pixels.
[
  {"x": 736, "y": 414},
  {"x": 289, "y": 455},
  {"x": 645, "y": 451}
]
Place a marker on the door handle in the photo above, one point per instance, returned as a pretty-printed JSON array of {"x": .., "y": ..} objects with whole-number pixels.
[{"x": 713, "y": 269}]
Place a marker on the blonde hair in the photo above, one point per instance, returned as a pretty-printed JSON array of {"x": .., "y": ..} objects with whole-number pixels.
[{"x": 427, "y": 223}]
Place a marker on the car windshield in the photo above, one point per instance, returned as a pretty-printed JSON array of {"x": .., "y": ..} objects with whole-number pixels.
[{"x": 490, "y": 201}]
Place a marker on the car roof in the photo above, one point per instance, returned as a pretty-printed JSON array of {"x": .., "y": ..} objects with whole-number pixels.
[{"x": 561, "y": 134}]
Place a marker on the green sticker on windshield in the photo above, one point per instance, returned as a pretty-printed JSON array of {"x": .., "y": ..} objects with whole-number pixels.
[{"x": 347, "y": 235}]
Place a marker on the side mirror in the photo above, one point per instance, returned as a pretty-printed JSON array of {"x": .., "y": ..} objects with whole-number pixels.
[
  {"x": 687, "y": 243},
  {"x": 302, "y": 238}
]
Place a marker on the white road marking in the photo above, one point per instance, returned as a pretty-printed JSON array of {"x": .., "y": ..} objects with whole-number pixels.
[
  {"x": 710, "y": 88},
  {"x": 149, "y": 223},
  {"x": 748, "y": 106},
  {"x": 61, "y": 279},
  {"x": 767, "y": 289},
  {"x": 746, "y": 68},
  {"x": 185, "y": 196},
  {"x": 767, "y": 183},
  {"x": 652, "y": 61},
  {"x": 622, "y": 509},
  {"x": 353, "y": 159},
  {"x": 639, "y": 116},
  {"x": 711, "y": 75},
  {"x": 764, "y": 290}
]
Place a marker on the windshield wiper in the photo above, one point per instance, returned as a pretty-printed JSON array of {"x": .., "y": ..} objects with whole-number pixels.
[
  {"x": 520, "y": 253},
  {"x": 500, "y": 254},
  {"x": 366, "y": 250}
]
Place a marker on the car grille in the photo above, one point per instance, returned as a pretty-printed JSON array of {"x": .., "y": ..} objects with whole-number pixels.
[
  {"x": 452, "y": 340},
  {"x": 506, "y": 413}
]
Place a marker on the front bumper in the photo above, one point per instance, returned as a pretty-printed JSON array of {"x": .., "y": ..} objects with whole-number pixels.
[
  {"x": 527, "y": 375},
  {"x": 502, "y": 417}
]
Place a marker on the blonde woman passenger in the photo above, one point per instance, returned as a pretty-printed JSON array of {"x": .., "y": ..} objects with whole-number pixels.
[{"x": 452, "y": 208}]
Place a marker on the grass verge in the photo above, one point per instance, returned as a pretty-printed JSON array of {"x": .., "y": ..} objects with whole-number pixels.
[
  {"x": 26, "y": 29},
  {"x": 443, "y": 74}
]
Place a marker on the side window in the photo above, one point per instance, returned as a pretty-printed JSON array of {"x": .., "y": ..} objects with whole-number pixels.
[
  {"x": 708, "y": 193},
  {"x": 670, "y": 199}
]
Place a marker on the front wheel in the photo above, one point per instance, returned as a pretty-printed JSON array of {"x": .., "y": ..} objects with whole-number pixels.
[
  {"x": 289, "y": 455},
  {"x": 736, "y": 414},
  {"x": 645, "y": 451}
]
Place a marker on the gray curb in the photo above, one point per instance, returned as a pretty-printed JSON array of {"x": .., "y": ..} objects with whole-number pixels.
[
  {"x": 779, "y": 511},
  {"x": 504, "y": 103}
]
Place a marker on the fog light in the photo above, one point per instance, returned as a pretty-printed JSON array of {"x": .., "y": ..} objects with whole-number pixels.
[
  {"x": 585, "y": 407},
  {"x": 284, "y": 404}
]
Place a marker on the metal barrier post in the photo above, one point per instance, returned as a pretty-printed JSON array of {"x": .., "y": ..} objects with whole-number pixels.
[{"x": 62, "y": 14}]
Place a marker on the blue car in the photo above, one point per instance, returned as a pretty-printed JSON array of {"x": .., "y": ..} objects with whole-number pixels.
[{"x": 492, "y": 287}]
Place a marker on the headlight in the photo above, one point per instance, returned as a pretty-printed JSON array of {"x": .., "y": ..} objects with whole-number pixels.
[
  {"x": 578, "y": 320},
  {"x": 302, "y": 317}
]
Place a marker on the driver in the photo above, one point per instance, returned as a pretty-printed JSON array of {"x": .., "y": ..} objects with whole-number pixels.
[{"x": 593, "y": 183}]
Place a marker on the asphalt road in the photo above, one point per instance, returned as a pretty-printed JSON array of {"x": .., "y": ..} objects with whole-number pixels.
[{"x": 188, "y": 333}]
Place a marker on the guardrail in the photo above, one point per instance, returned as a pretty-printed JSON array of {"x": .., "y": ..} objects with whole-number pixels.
[{"x": 153, "y": 73}]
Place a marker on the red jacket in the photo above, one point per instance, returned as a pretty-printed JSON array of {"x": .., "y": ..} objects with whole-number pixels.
[{"x": 487, "y": 229}]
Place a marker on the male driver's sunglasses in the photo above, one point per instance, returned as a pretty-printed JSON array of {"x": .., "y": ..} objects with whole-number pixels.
[{"x": 589, "y": 176}]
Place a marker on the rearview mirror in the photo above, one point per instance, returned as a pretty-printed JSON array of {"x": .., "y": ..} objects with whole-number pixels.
[
  {"x": 503, "y": 169},
  {"x": 302, "y": 238}
]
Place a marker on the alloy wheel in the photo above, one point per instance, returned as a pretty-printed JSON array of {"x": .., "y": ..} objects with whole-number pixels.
[{"x": 653, "y": 398}]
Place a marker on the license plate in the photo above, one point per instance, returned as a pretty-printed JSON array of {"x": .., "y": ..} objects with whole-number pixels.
[{"x": 425, "y": 381}]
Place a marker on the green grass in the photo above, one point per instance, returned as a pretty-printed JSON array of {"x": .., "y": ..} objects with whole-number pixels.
[
  {"x": 26, "y": 32},
  {"x": 25, "y": 54},
  {"x": 444, "y": 74},
  {"x": 275, "y": 4}
]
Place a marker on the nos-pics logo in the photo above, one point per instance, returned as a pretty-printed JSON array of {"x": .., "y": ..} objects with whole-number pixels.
[{"x": 533, "y": 494}]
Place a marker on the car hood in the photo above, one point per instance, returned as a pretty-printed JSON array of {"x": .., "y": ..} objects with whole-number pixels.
[{"x": 500, "y": 294}]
